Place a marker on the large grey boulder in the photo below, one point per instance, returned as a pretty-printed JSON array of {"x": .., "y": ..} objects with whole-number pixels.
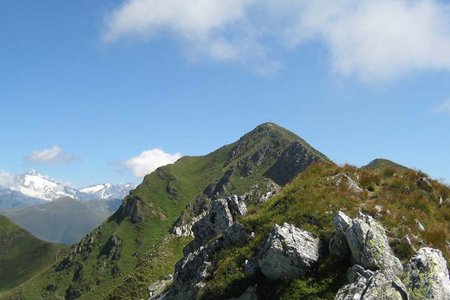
[
  {"x": 288, "y": 252},
  {"x": 368, "y": 242},
  {"x": 427, "y": 275},
  {"x": 380, "y": 285}
]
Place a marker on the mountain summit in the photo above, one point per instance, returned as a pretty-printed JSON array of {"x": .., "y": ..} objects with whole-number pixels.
[{"x": 130, "y": 244}]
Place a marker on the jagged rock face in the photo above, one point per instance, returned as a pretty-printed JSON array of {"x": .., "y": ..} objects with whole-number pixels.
[
  {"x": 368, "y": 243},
  {"x": 130, "y": 209},
  {"x": 427, "y": 275},
  {"x": 379, "y": 286},
  {"x": 194, "y": 212},
  {"x": 112, "y": 248},
  {"x": 288, "y": 252},
  {"x": 186, "y": 229},
  {"x": 192, "y": 271},
  {"x": 220, "y": 218},
  {"x": 217, "y": 221},
  {"x": 293, "y": 160},
  {"x": 237, "y": 206}
]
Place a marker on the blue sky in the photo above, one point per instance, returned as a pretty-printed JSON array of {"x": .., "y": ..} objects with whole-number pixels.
[{"x": 87, "y": 86}]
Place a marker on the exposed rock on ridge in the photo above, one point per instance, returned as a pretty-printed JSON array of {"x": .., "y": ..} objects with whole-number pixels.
[{"x": 288, "y": 252}]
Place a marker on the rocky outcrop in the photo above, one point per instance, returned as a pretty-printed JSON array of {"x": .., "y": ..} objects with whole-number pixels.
[
  {"x": 367, "y": 242},
  {"x": 112, "y": 248},
  {"x": 293, "y": 160},
  {"x": 130, "y": 209},
  {"x": 236, "y": 205},
  {"x": 427, "y": 275},
  {"x": 219, "y": 219},
  {"x": 194, "y": 212},
  {"x": 192, "y": 271},
  {"x": 343, "y": 179},
  {"x": 157, "y": 288},
  {"x": 185, "y": 230},
  {"x": 288, "y": 252},
  {"x": 367, "y": 285},
  {"x": 377, "y": 272}
]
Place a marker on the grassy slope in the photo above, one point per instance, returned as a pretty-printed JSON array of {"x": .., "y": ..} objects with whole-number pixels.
[
  {"x": 310, "y": 201},
  {"x": 92, "y": 275},
  {"x": 22, "y": 255}
]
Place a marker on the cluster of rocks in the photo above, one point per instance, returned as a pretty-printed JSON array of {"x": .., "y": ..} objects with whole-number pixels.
[
  {"x": 376, "y": 272},
  {"x": 217, "y": 229},
  {"x": 289, "y": 252}
]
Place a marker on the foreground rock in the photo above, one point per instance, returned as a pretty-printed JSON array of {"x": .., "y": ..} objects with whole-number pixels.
[
  {"x": 288, "y": 252},
  {"x": 427, "y": 275},
  {"x": 367, "y": 285},
  {"x": 367, "y": 242}
]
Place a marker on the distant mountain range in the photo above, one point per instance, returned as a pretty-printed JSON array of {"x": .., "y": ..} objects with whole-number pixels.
[{"x": 33, "y": 188}]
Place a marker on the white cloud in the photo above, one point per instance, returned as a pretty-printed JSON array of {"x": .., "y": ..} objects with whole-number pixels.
[
  {"x": 443, "y": 108},
  {"x": 51, "y": 155},
  {"x": 150, "y": 160},
  {"x": 372, "y": 40},
  {"x": 6, "y": 179}
]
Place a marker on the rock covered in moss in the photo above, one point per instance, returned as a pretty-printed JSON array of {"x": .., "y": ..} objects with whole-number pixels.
[
  {"x": 288, "y": 252},
  {"x": 382, "y": 285},
  {"x": 427, "y": 275},
  {"x": 368, "y": 242}
]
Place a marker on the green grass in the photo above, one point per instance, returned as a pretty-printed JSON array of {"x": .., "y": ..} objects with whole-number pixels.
[
  {"x": 310, "y": 201},
  {"x": 22, "y": 256},
  {"x": 147, "y": 251}
]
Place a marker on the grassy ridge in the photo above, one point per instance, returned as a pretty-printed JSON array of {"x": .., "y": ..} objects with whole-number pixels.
[
  {"x": 310, "y": 201},
  {"x": 133, "y": 247},
  {"x": 22, "y": 255}
]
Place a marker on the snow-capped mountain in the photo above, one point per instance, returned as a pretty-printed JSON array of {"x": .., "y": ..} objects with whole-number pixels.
[
  {"x": 33, "y": 186},
  {"x": 108, "y": 191}
]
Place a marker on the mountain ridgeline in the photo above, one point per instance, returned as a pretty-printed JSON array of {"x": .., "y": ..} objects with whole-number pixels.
[
  {"x": 258, "y": 164},
  {"x": 266, "y": 217}
]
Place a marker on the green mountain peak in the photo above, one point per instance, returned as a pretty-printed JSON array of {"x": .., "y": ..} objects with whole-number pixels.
[{"x": 124, "y": 246}]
